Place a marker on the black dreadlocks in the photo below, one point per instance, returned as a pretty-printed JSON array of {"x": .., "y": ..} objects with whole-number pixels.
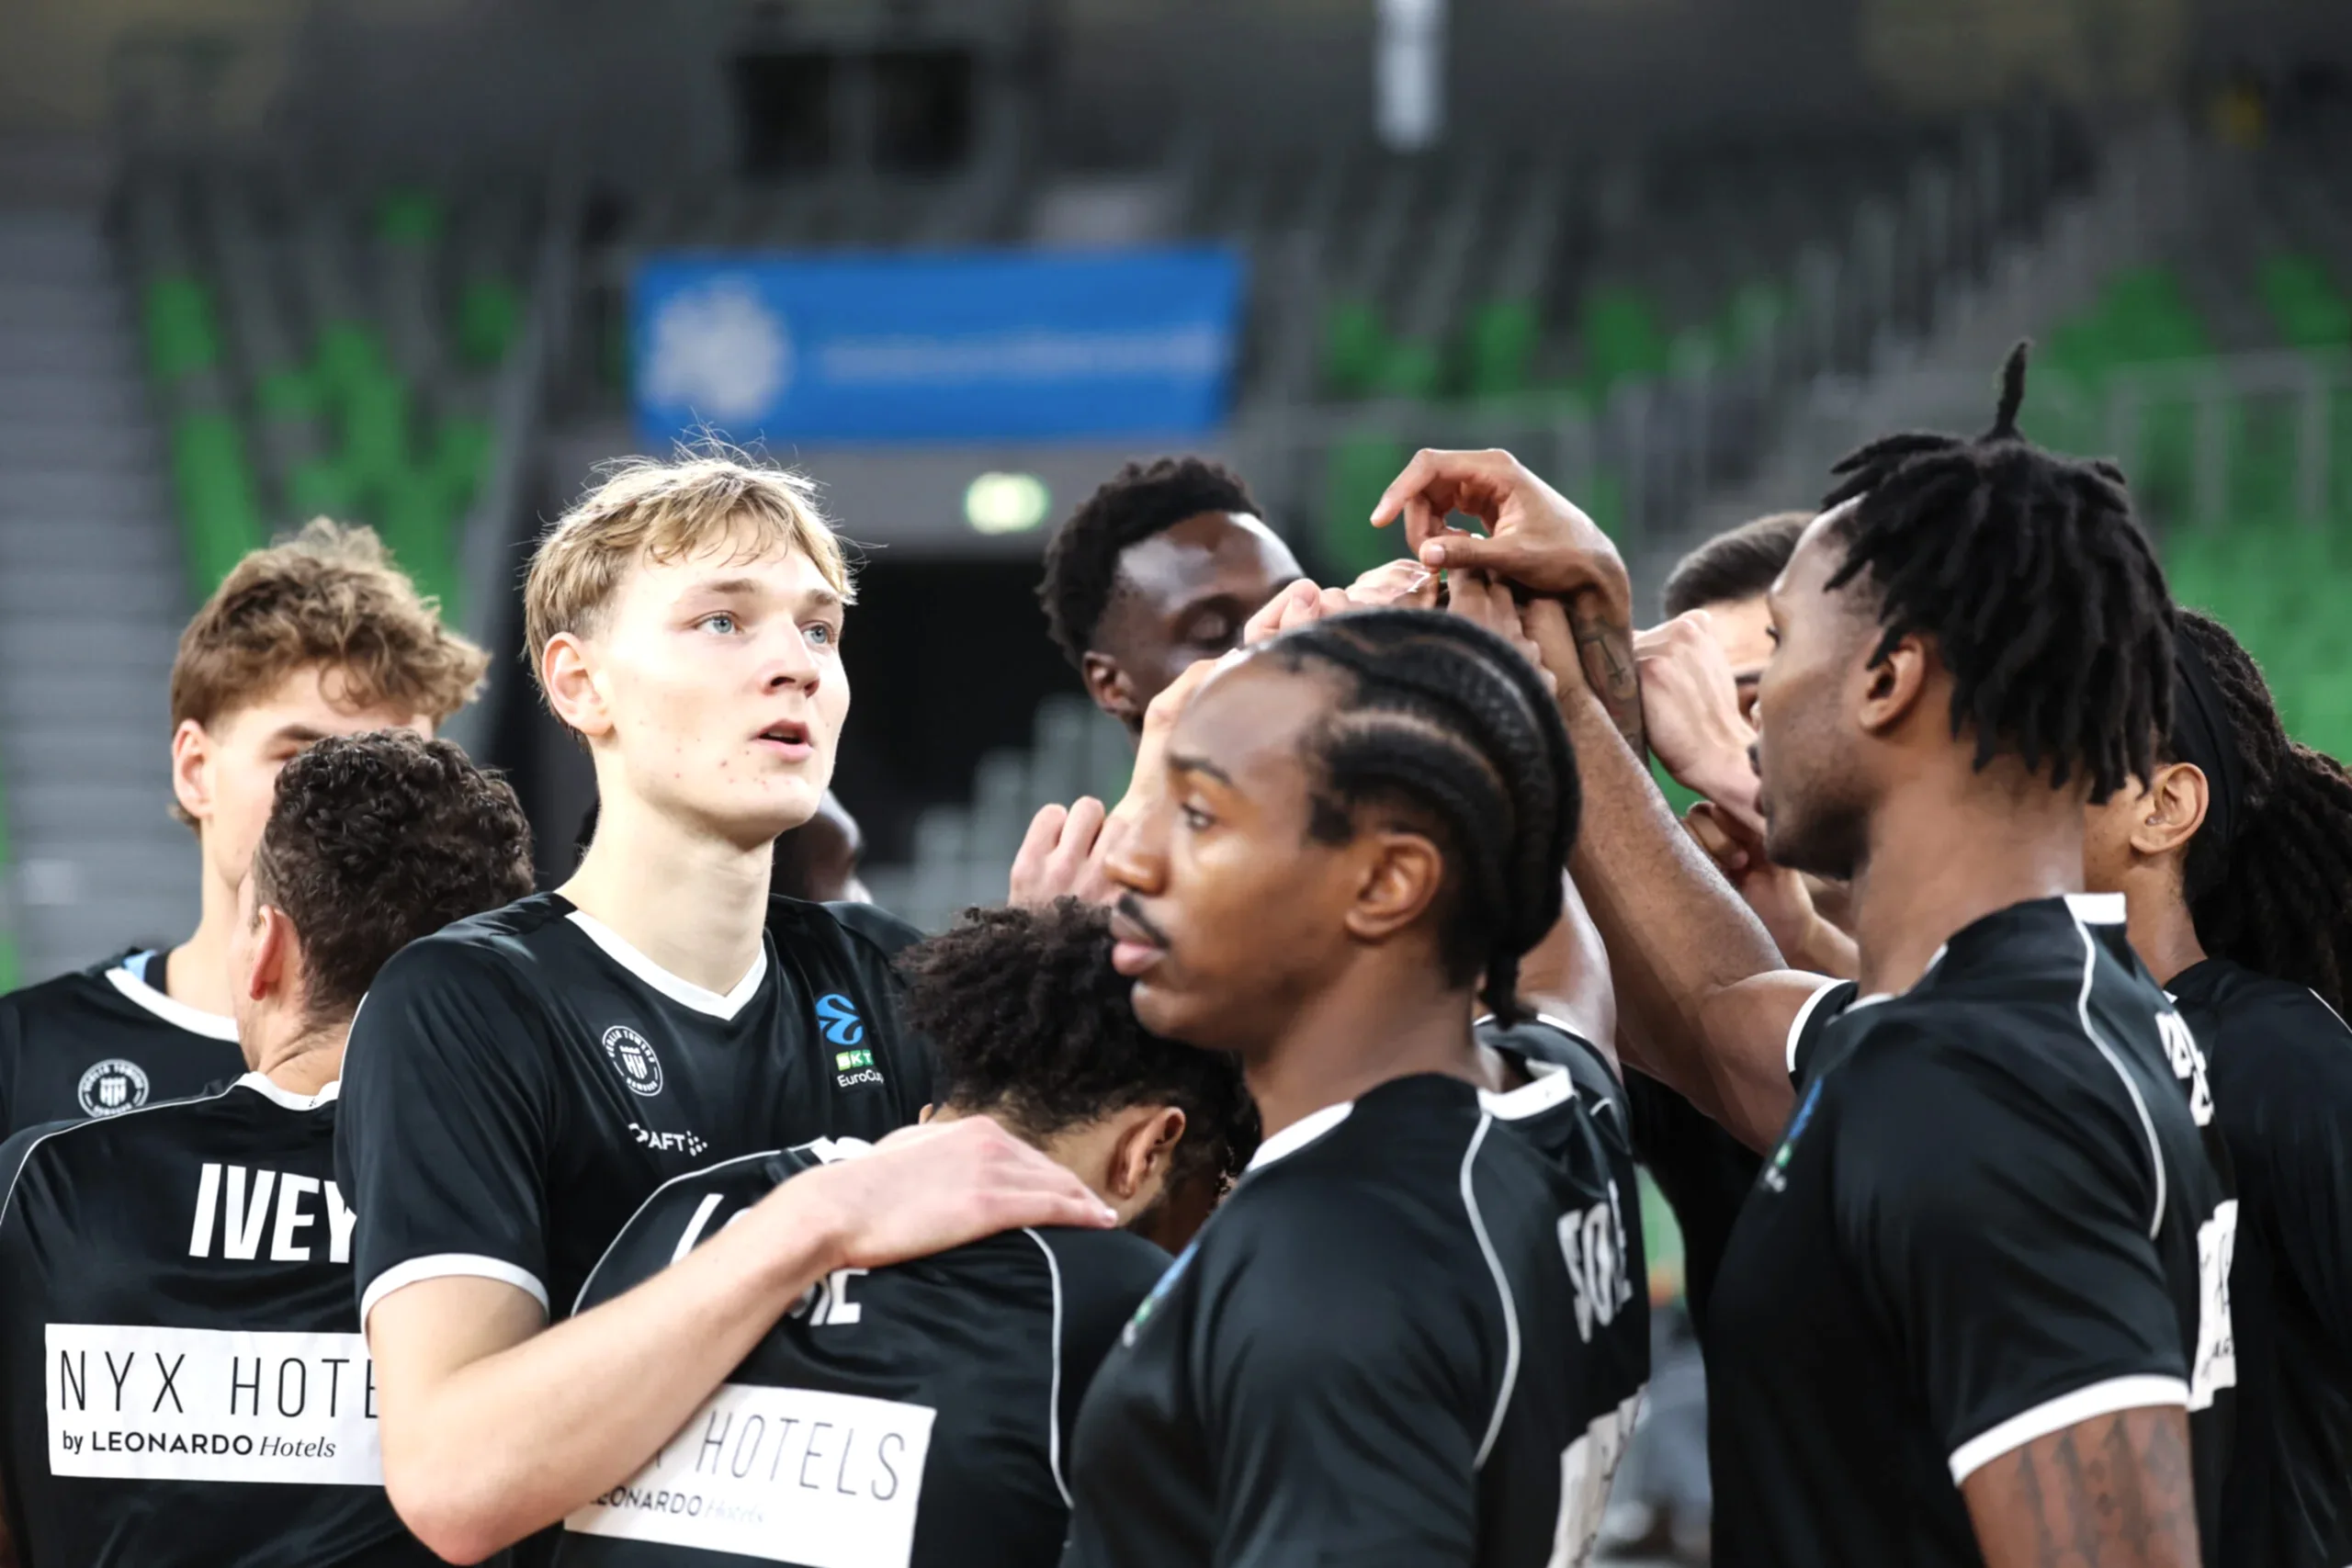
[
  {"x": 2278, "y": 896},
  {"x": 1030, "y": 1024},
  {"x": 2043, "y": 597},
  {"x": 1140, "y": 501},
  {"x": 1444, "y": 719}
]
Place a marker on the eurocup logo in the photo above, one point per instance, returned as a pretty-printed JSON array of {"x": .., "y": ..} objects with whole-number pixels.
[
  {"x": 632, "y": 1057},
  {"x": 112, "y": 1087}
]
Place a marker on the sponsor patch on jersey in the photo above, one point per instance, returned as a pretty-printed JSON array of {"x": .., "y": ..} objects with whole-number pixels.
[
  {"x": 112, "y": 1087},
  {"x": 211, "y": 1405},
  {"x": 854, "y": 1067},
  {"x": 838, "y": 1017},
  {"x": 782, "y": 1474},
  {"x": 667, "y": 1143},
  {"x": 632, "y": 1057}
]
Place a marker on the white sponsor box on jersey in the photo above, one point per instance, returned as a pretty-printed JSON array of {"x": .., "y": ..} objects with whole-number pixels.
[
  {"x": 787, "y": 1475},
  {"x": 211, "y": 1405}
]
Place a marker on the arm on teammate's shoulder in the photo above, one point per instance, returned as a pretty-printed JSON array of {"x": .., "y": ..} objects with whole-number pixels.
[
  {"x": 2116, "y": 1491},
  {"x": 1700, "y": 988},
  {"x": 493, "y": 1429}
]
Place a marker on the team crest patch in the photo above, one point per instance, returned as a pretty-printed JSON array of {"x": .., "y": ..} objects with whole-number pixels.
[
  {"x": 111, "y": 1088},
  {"x": 632, "y": 1057}
]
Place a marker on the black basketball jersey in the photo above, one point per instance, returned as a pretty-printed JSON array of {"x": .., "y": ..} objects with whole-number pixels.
[
  {"x": 182, "y": 1379},
  {"x": 1993, "y": 1215},
  {"x": 2281, "y": 1068},
  {"x": 102, "y": 1040},
  {"x": 916, "y": 1415},
  {"x": 1413, "y": 1334},
  {"x": 517, "y": 1083}
]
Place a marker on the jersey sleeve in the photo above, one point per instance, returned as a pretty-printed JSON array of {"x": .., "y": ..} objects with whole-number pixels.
[
  {"x": 2003, "y": 1234},
  {"x": 449, "y": 1115},
  {"x": 1813, "y": 1020},
  {"x": 1346, "y": 1419}
]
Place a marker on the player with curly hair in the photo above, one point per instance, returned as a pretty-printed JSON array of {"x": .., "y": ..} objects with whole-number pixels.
[
  {"x": 181, "y": 1369},
  {"x": 935, "y": 1397}
]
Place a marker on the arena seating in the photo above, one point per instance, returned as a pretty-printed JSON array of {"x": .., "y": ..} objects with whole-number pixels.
[{"x": 317, "y": 354}]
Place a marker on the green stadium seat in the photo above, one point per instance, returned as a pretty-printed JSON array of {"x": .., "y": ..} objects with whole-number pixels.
[
  {"x": 1354, "y": 346},
  {"x": 218, "y": 505},
  {"x": 1407, "y": 370},
  {"x": 1500, "y": 344},
  {"x": 1358, "y": 468},
  {"x": 408, "y": 218},
  {"x": 1623, "y": 339},
  {"x": 322, "y": 487},
  {"x": 376, "y": 429},
  {"x": 183, "y": 334},
  {"x": 490, "y": 312}
]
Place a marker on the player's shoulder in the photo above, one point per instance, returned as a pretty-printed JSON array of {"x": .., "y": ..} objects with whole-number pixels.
[
  {"x": 121, "y": 1143},
  {"x": 515, "y": 939},
  {"x": 1103, "y": 1262},
  {"x": 2275, "y": 1052},
  {"x": 867, "y": 931},
  {"x": 75, "y": 995}
]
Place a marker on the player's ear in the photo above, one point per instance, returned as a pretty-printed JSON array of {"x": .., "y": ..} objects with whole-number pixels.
[
  {"x": 1109, "y": 686},
  {"x": 568, "y": 675},
  {"x": 275, "y": 957},
  {"x": 1401, "y": 873},
  {"x": 1892, "y": 687},
  {"x": 2172, "y": 811},
  {"x": 1145, "y": 1148},
  {"x": 191, "y": 769}
]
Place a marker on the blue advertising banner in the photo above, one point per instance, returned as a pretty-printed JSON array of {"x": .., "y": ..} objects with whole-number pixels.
[{"x": 964, "y": 346}]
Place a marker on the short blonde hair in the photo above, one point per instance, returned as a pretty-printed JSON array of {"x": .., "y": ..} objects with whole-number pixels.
[{"x": 646, "y": 508}]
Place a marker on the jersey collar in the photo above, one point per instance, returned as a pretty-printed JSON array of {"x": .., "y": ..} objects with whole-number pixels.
[
  {"x": 178, "y": 1014},
  {"x": 1301, "y": 1132},
  {"x": 682, "y": 991},
  {"x": 261, "y": 1085}
]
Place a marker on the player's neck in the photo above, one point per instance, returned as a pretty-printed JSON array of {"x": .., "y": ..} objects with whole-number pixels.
[
  {"x": 1352, "y": 1039},
  {"x": 1940, "y": 859},
  {"x": 196, "y": 971},
  {"x": 2163, "y": 931},
  {"x": 291, "y": 1050},
  {"x": 693, "y": 903}
]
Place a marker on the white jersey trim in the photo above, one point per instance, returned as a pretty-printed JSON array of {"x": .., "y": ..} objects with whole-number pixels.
[
  {"x": 682, "y": 991},
  {"x": 1804, "y": 1014},
  {"x": 2145, "y": 1392},
  {"x": 2083, "y": 1011},
  {"x": 448, "y": 1266},
  {"x": 1502, "y": 1288},
  {"x": 1301, "y": 1132},
  {"x": 2097, "y": 908},
  {"x": 260, "y": 1084},
  {"x": 1054, "y": 1388},
  {"x": 8, "y": 1197},
  {"x": 179, "y": 1015}
]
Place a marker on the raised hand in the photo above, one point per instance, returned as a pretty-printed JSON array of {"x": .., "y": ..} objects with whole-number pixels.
[
  {"x": 1691, "y": 711},
  {"x": 1063, "y": 854}
]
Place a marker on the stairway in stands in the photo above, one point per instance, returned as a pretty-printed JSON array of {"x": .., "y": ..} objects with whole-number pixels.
[{"x": 93, "y": 594}]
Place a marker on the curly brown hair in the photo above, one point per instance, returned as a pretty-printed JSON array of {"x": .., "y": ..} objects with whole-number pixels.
[
  {"x": 1029, "y": 1022},
  {"x": 375, "y": 841},
  {"x": 329, "y": 596}
]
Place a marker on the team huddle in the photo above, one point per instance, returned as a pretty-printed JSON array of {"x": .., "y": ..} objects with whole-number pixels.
[{"x": 1257, "y": 1184}]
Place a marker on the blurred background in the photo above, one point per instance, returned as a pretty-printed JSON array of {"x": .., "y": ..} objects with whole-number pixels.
[{"x": 426, "y": 263}]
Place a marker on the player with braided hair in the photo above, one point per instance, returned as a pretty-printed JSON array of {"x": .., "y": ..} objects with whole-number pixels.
[
  {"x": 2234, "y": 858},
  {"x": 1413, "y": 1332},
  {"x": 1976, "y": 1308}
]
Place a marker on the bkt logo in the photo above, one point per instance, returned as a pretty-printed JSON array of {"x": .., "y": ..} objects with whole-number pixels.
[{"x": 840, "y": 1019}]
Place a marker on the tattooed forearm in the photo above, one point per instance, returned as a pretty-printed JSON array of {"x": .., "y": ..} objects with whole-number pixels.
[
  {"x": 2114, "y": 1492},
  {"x": 1605, "y": 651}
]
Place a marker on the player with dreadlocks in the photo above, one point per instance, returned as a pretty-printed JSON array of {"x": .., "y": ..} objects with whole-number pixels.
[
  {"x": 1411, "y": 1334},
  {"x": 1962, "y": 1317},
  {"x": 2234, "y": 858}
]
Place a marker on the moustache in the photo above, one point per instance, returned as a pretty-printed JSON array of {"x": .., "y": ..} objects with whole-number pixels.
[{"x": 1128, "y": 909}]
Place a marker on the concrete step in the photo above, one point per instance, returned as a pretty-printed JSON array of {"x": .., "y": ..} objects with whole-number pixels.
[
  {"x": 41, "y": 815},
  {"x": 55, "y": 401},
  {"x": 91, "y": 647},
  {"x": 94, "y": 305},
  {"x": 64, "y": 748},
  {"x": 124, "y": 491},
  {"x": 42, "y": 544},
  {"x": 110, "y": 593},
  {"x": 73, "y": 351},
  {"x": 74, "y": 445},
  {"x": 139, "y": 699}
]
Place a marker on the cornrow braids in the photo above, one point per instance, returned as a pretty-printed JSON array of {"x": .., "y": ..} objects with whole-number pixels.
[
  {"x": 1140, "y": 501},
  {"x": 2276, "y": 897},
  {"x": 2042, "y": 596},
  {"x": 1445, "y": 720}
]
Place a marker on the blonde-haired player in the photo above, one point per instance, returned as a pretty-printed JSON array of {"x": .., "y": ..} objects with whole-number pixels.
[{"x": 519, "y": 1084}]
